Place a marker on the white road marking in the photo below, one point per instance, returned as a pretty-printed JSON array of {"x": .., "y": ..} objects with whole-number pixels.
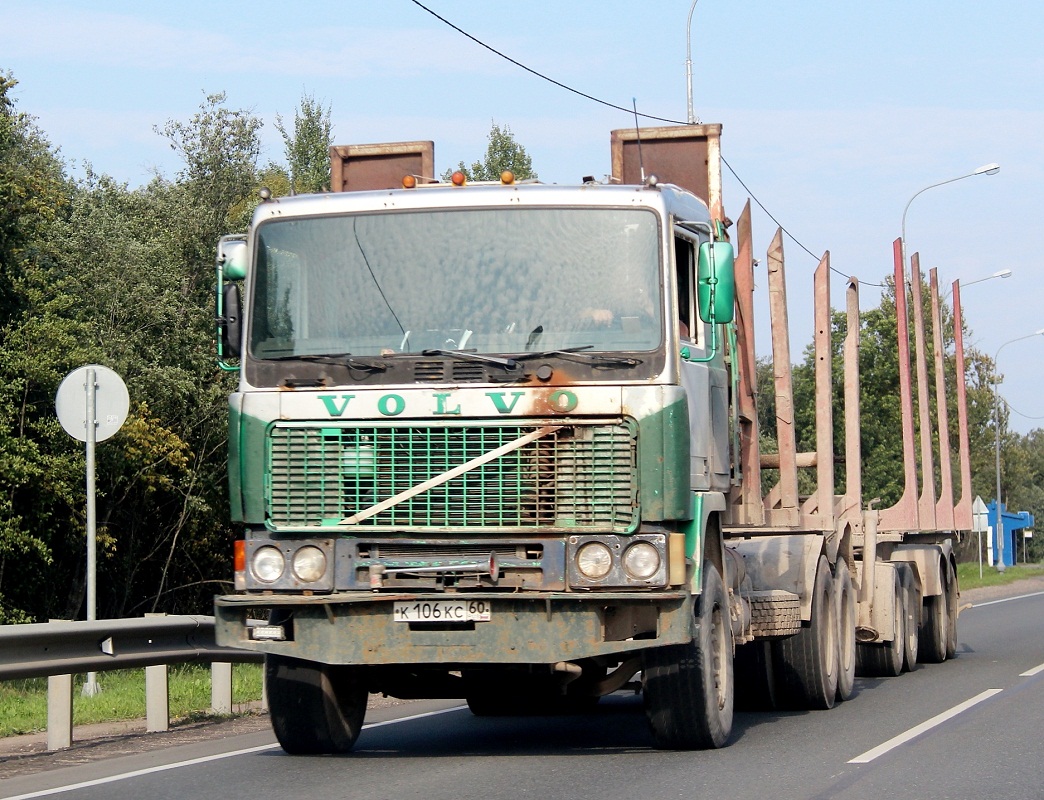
[
  {"x": 1031, "y": 672},
  {"x": 917, "y": 730},
  {"x": 202, "y": 760},
  {"x": 1006, "y": 600}
]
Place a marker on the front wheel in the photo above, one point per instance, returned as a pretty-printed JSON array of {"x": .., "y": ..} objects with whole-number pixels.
[
  {"x": 314, "y": 708},
  {"x": 689, "y": 688}
]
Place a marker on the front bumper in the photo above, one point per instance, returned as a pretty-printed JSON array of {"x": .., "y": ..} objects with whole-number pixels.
[{"x": 535, "y": 628}]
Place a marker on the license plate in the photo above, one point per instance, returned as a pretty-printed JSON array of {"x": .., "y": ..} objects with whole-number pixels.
[{"x": 442, "y": 611}]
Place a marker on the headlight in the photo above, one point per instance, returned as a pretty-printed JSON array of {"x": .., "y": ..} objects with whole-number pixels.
[
  {"x": 641, "y": 560},
  {"x": 594, "y": 560},
  {"x": 268, "y": 564},
  {"x": 309, "y": 564}
]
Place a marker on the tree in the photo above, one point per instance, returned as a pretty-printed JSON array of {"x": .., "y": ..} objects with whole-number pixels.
[
  {"x": 308, "y": 149},
  {"x": 32, "y": 197},
  {"x": 502, "y": 153},
  {"x": 220, "y": 148}
]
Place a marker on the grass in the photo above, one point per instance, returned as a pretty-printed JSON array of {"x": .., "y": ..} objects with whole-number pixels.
[
  {"x": 23, "y": 703},
  {"x": 968, "y": 574}
]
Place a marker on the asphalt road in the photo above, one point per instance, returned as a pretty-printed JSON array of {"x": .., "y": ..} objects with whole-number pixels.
[{"x": 969, "y": 728}]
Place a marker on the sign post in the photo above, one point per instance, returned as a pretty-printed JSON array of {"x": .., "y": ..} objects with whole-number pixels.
[
  {"x": 980, "y": 523},
  {"x": 92, "y": 404}
]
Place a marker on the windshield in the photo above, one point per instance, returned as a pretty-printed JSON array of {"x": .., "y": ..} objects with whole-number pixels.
[{"x": 488, "y": 280}]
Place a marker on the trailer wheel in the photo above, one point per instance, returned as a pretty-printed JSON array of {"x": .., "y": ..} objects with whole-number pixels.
[
  {"x": 845, "y": 613},
  {"x": 689, "y": 688},
  {"x": 886, "y": 659},
  {"x": 808, "y": 661},
  {"x": 315, "y": 708},
  {"x": 951, "y": 611},
  {"x": 912, "y": 609},
  {"x": 935, "y": 626}
]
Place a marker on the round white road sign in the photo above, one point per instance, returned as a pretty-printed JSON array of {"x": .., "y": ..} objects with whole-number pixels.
[{"x": 111, "y": 402}]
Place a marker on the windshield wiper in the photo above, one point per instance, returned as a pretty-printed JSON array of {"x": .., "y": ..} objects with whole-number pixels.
[
  {"x": 577, "y": 354},
  {"x": 467, "y": 355},
  {"x": 342, "y": 359}
]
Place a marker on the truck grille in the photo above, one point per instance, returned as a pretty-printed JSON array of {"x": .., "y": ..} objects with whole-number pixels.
[{"x": 578, "y": 477}]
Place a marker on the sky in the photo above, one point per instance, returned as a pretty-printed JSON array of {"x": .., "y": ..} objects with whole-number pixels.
[{"x": 835, "y": 114}]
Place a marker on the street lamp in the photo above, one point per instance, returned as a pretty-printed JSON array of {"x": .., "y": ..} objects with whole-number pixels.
[
  {"x": 691, "y": 118},
  {"x": 996, "y": 426},
  {"x": 985, "y": 169},
  {"x": 1001, "y": 273}
]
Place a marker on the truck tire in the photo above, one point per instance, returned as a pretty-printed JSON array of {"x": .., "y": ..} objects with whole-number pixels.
[
  {"x": 912, "y": 608},
  {"x": 873, "y": 659},
  {"x": 808, "y": 661},
  {"x": 935, "y": 626},
  {"x": 315, "y": 708},
  {"x": 845, "y": 613},
  {"x": 952, "y": 591},
  {"x": 689, "y": 688}
]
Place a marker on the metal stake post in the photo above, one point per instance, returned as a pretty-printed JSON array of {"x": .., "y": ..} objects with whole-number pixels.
[{"x": 91, "y": 687}]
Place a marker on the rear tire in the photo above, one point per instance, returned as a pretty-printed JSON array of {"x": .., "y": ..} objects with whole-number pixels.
[
  {"x": 935, "y": 626},
  {"x": 314, "y": 708},
  {"x": 952, "y": 592},
  {"x": 845, "y": 613},
  {"x": 689, "y": 688},
  {"x": 886, "y": 659},
  {"x": 808, "y": 661},
  {"x": 912, "y": 608}
]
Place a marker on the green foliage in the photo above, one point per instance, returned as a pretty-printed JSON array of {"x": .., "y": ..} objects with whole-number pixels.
[
  {"x": 968, "y": 574},
  {"x": 23, "y": 704},
  {"x": 308, "y": 148},
  {"x": 122, "y": 278},
  {"x": 502, "y": 153}
]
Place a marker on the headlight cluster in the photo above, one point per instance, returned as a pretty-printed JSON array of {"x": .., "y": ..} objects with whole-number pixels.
[
  {"x": 289, "y": 567},
  {"x": 639, "y": 560}
]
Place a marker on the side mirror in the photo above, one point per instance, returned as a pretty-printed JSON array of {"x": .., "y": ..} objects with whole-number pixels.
[
  {"x": 230, "y": 323},
  {"x": 231, "y": 265},
  {"x": 716, "y": 282},
  {"x": 232, "y": 255}
]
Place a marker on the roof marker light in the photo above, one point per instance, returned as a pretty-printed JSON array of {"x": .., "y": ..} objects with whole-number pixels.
[
  {"x": 457, "y": 178},
  {"x": 409, "y": 182},
  {"x": 507, "y": 177}
]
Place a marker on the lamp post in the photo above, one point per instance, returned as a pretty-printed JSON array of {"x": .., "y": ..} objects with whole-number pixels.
[
  {"x": 692, "y": 119},
  {"x": 996, "y": 427},
  {"x": 985, "y": 169}
]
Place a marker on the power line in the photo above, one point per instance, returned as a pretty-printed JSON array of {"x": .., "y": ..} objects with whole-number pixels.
[{"x": 626, "y": 110}]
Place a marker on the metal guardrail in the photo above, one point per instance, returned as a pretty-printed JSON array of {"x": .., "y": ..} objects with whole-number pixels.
[
  {"x": 59, "y": 649},
  {"x": 62, "y": 647}
]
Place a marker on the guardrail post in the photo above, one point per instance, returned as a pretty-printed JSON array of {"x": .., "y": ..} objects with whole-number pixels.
[
  {"x": 221, "y": 687},
  {"x": 59, "y": 712},
  {"x": 157, "y": 698},
  {"x": 157, "y": 701}
]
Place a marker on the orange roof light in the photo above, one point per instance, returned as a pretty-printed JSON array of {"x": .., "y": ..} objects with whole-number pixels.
[
  {"x": 239, "y": 555},
  {"x": 409, "y": 182},
  {"x": 457, "y": 178},
  {"x": 507, "y": 177}
]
